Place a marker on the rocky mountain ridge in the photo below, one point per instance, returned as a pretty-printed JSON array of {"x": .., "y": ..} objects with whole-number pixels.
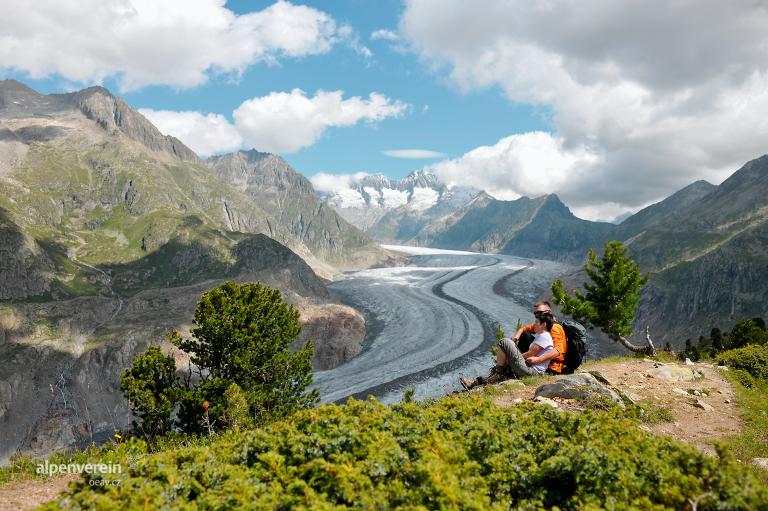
[
  {"x": 395, "y": 210},
  {"x": 269, "y": 181}
]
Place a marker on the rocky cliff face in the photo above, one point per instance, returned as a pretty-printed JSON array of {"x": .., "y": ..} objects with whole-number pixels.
[
  {"x": 59, "y": 385},
  {"x": 289, "y": 197}
]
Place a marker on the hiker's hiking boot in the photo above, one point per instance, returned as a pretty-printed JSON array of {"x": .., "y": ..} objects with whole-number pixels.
[{"x": 497, "y": 375}]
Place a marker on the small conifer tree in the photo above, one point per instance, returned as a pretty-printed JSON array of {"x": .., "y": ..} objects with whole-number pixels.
[
  {"x": 241, "y": 335},
  {"x": 151, "y": 387},
  {"x": 611, "y": 298}
]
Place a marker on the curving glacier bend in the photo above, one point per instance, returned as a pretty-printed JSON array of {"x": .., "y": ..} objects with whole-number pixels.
[{"x": 433, "y": 320}]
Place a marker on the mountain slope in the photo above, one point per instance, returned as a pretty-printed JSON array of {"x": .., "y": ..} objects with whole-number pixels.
[
  {"x": 109, "y": 233},
  {"x": 543, "y": 228},
  {"x": 664, "y": 211},
  {"x": 710, "y": 260},
  {"x": 289, "y": 197}
]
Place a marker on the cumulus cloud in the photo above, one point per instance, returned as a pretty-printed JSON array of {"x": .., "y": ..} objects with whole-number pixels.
[
  {"x": 142, "y": 42},
  {"x": 413, "y": 153},
  {"x": 658, "y": 96},
  {"x": 204, "y": 134},
  {"x": 280, "y": 122},
  {"x": 288, "y": 121},
  {"x": 530, "y": 164},
  {"x": 329, "y": 183}
]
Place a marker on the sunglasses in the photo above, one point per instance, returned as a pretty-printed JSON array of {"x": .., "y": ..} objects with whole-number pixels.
[{"x": 540, "y": 313}]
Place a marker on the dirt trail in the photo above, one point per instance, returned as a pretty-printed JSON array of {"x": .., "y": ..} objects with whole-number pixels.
[
  {"x": 692, "y": 424},
  {"x": 33, "y": 493}
]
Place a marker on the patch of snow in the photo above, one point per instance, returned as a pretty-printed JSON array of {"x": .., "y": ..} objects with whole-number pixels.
[
  {"x": 348, "y": 198},
  {"x": 394, "y": 198},
  {"x": 423, "y": 198},
  {"x": 375, "y": 196}
]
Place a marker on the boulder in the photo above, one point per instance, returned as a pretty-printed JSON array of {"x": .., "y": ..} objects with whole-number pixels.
[
  {"x": 577, "y": 386},
  {"x": 675, "y": 373}
]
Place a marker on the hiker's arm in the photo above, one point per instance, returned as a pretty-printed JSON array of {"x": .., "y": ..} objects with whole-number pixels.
[
  {"x": 549, "y": 355},
  {"x": 532, "y": 352},
  {"x": 526, "y": 328}
]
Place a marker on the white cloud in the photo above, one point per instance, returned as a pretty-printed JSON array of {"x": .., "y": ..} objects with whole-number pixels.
[
  {"x": 413, "y": 153},
  {"x": 288, "y": 121},
  {"x": 204, "y": 134},
  {"x": 279, "y": 122},
  {"x": 659, "y": 95},
  {"x": 142, "y": 42},
  {"x": 385, "y": 35},
  {"x": 329, "y": 183},
  {"x": 530, "y": 164}
]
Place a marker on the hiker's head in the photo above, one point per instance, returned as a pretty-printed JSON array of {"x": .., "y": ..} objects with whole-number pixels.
[
  {"x": 543, "y": 322},
  {"x": 542, "y": 308}
]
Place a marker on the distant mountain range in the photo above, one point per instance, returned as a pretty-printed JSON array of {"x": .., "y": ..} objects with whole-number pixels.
[
  {"x": 705, "y": 246},
  {"x": 110, "y": 231},
  {"x": 394, "y": 211}
]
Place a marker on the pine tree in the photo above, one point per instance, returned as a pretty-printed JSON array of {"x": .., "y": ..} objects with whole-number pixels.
[
  {"x": 612, "y": 297},
  {"x": 151, "y": 387},
  {"x": 241, "y": 335}
]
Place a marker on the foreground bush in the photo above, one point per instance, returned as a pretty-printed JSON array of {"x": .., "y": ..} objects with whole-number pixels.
[{"x": 460, "y": 453}]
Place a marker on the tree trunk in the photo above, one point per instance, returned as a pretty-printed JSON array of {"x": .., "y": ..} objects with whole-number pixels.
[{"x": 649, "y": 350}]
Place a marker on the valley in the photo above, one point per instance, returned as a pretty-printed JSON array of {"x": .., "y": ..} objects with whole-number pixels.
[{"x": 434, "y": 320}]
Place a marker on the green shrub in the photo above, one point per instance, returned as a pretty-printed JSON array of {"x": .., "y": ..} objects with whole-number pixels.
[
  {"x": 752, "y": 359},
  {"x": 151, "y": 388},
  {"x": 459, "y": 453},
  {"x": 241, "y": 335}
]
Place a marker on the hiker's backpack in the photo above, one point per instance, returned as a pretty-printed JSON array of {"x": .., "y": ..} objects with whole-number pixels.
[{"x": 576, "y": 338}]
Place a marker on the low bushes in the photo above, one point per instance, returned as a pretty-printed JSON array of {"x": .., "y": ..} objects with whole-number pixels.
[
  {"x": 458, "y": 453},
  {"x": 749, "y": 362}
]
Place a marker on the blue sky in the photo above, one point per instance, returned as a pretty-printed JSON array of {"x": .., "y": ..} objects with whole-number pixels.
[
  {"x": 611, "y": 106},
  {"x": 440, "y": 116}
]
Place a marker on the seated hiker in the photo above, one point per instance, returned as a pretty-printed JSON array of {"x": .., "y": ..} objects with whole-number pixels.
[
  {"x": 512, "y": 355},
  {"x": 524, "y": 337}
]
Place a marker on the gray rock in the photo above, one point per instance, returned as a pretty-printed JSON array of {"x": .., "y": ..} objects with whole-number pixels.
[
  {"x": 674, "y": 373},
  {"x": 704, "y": 406},
  {"x": 546, "y": 401},
  {"x": 760, "y": 462},
  {"x": 577, "y": 386},
  {"x": 632, "y": 397},
  {"x": 688, "y": 362}
]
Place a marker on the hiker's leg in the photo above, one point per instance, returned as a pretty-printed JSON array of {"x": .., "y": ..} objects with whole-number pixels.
[
  {"x": 514, "y": 359},
  {"x": 524, "y": 343}
]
